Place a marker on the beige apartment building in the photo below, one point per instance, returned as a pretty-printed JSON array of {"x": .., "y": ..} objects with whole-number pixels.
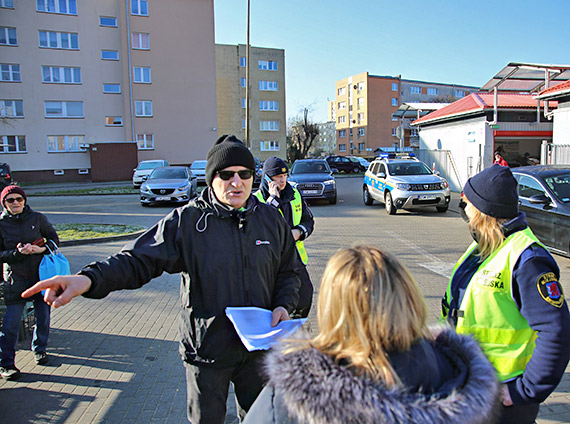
[
  {"x": 88, "y": 88},
  {"x": 365, "y": 106},
  {"x": 267, "y": 121}
]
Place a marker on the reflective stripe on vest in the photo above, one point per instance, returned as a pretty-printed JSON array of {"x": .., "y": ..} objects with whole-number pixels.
[
  {"x": 297, "y": 209},
  {"x": 488, "y": 311}
]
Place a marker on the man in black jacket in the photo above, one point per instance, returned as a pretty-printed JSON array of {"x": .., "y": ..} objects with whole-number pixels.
[{"x": 231, "y": 250}]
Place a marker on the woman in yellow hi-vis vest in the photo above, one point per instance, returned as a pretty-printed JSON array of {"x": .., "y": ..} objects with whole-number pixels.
[
  {"x": 277, "y": 192},
  {"x": 504, "y": 291}
]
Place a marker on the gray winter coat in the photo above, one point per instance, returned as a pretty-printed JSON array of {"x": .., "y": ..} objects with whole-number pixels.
[{"x": 308, "y": 387}]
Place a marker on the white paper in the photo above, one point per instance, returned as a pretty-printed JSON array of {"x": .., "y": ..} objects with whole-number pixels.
[{"x": 253, "y": 326}]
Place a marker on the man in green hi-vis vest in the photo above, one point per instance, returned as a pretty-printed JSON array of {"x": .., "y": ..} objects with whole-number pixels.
[{"x": 504, "y": 291}]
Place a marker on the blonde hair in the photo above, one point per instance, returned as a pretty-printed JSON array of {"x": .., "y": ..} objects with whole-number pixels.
[
  {"x": 369, "y": 305},
  {"x": 489, "y": 230}
]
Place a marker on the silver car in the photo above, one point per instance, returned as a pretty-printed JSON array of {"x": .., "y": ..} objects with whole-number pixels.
[
  {"x": 198, "y": 169},
  {"x": 168, "y": 184},
  {"x": 144, "y": 169}
]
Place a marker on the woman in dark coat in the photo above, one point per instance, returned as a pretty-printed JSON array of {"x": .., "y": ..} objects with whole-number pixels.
[
  {"x": 374, "y": 360},
  {"x": 23, "y": 238}
]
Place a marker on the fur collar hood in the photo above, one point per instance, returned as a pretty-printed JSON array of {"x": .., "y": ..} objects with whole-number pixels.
[{"x": 314, "y": 389}]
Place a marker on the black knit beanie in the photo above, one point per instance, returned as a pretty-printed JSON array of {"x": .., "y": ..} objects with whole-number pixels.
[
  {"x": 227, "y": 151},
  {"x": 493, "y": 191},
  {"x": 275, "y": 166}
]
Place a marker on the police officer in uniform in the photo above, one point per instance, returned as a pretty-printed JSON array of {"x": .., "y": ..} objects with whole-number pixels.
[
  {"x": 277, "y": 192},
  {"x": 504, "y": 291}
]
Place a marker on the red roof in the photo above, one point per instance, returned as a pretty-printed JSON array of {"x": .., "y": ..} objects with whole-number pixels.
[
  {"x": 477, "y": 102},
  {"x": 557, "y": 89}
]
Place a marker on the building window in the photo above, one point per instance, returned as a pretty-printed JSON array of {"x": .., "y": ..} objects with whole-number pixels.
[
  {"x": 63, "y": 109},
  {"x": 341, "y": 133},
  {"x": 8, "y": 4},
  {"x": 107, "y": 21},
  {"x": 432, "y": 91},
  {"x": 268, "y": 86},
  {"x": 342, "y": 147},
  {"x": 341, "y": 91},
  {"x": 145, "y": 141},
  {"x": 13, "y": 144},
  {"x": 394, "y": 86},
  {"x": 267, "y": 65},
  {"x": 139, "y": 7},
  {"x": 65, "y": 143},
  {"x": 360, "y": 117},
  {"x": 415, "y": 90},
  {"x": 360, "y": 132},
  {"x": 341, "y": 105},
  {"x": 350, "y": 132},
  {"x": 342, "y": 119},
  {"x": 394, "y": 118},
  {"x": 242, "y": 61},
  {"x": 243, "y": 81},
  {"x": 141, "y": 40},
  {"x": 11, "y": 108},
  {"x": 109, "y": 55},
  {"x": 414, "y": 132},
  {"x": 243, "y": 103},
  {"x": 61, "y": 75},
  {"x": 361, "y": 147},
  {"x": 269, "y": 125},
  {"x": 360, "y": 86},
  {"x": 141, "y": 75},
  {"x": 459, "y": 93},
  {"x": 8, "y": 36},
  {"x": 269, "y": 146},
  {"x": 113, "y": 121},
  {"x": 243, "y": 123},
  {"x": 361, "y": 101},
  {"x": 66, "y": 7},
  {"x": 268, "y": 105},
  {"x": 59, "y": 40},
  {"x": 10, "y": 72},
  {"x": 143, "y": 108},
  {"x": 394, "y": 132},
  {"x": 394, "y": 101},
  {"x": 112, "y": 88}
]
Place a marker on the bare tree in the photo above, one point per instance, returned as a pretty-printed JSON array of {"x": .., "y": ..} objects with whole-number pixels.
[{"x": 301, "y": 134}]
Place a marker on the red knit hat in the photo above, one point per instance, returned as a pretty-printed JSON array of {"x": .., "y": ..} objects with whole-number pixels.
[{"x": 12, "y": 189}]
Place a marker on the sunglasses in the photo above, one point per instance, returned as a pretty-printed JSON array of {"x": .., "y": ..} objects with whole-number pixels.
[
  {"x": 244, "y": 174},
  {"x": 15, "y": 199}
]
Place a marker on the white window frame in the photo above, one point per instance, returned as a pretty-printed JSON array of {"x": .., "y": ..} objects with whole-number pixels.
[
  {"x": 341, "y": 105},
  {"x": 413, "y": 132},
  {"x": 459, "y": 93},
  {"x": 11, "y": 108},
  {"x": 7, "y": 34},
  {"x": 10, "y": 70},
  {"x": 61, "y": 75},
  {"x": 267, "y": 65},
  {"x": 111, "y": 88},
  {"x": 269, "y": 146},
  {"x": 341, "y": 91},
  {"x": 19, "y": 144},
  {"x": 268, "y": 105},
  {"x": 49, "y": 6},
  {"x": 360, "y": 86},
  {"x": 7, "y": 4},
  {"x": 394, "y": 101},
  {"x": 137, "y": 8},
  {"x": 342, "y": 119},
  {"x": 415, "y": 89},
  {"x": 342, "y": 147},
  {"x": 145, "y": 141},
  {"x": 140, "y": 40},
  {"x": 108, "y": 21},
  {"x": 268, "y": 85},
  {"x": 361, "y": 132},
  {"x": 361, "y": 147},
  {"x": 361, "y": 101},
  {"x": 114, "y": 52},
  {"x": 341, "y": 133},
  {"x": 65, "y": 109},
  {"x": 71, "y": 143},
  {"x": 113, "y": 121},
  {"x": 142, "y": 75},
  {"x": 432, "y": 91},
  {"x": 142, "y": 107},
  {"x": 268, "y": 125},
  {"x": 394, "y": 86},
  {"x": 57, "y": 40}
]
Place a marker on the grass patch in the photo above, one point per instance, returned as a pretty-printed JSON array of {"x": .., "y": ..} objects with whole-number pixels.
[
  {"x": 83, "y": 231},
  {"x": 94, "y": 190}
]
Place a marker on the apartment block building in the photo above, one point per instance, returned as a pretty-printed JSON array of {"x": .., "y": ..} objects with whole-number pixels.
[
  {"x": 365, "y": 106},
  {"x": 267, "y": 119},
  {"x": 90, "y": 88}
]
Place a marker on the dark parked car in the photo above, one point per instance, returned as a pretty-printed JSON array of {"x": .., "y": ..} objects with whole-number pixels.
[
  {"x": 314, "y": 179},
  {"x": 344, "y": 164},
  {"x": 168, "y": 184},
  {"x": 544, "y": 195},
  {"x": 5, "y": 175}
]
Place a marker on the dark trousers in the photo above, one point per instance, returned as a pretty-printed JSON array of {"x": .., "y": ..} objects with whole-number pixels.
[
  {"x": 519, "y": 414},
  {"x": 207, "y": 388},
  {"x": 305, "y": 294}
]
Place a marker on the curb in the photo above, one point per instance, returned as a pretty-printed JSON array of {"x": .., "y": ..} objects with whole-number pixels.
[{"x": 101, "y": 239}]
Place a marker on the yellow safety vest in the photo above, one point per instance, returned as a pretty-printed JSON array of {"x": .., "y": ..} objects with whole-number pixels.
[
  {"x": 488, "y": 311},
  {"x": 297, "y": 208}
]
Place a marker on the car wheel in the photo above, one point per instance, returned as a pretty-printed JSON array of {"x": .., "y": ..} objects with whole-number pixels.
[
  {"x": 442, "y": 209},
  {"x": 390, "y": 208},
  {"x": 333, "y": 200},
  {"x": 366, "y": 198},
  {"x": 356, "y": 170}
]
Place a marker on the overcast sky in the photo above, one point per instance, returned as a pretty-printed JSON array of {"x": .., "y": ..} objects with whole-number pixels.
[{"x": 446, "y": 41}]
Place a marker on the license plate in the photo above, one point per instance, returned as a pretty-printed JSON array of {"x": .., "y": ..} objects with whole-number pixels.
[
  {"x": 427, "y": 197},
  {"x": 310, "y": 191},
  {"x": 162, "y": 198}
]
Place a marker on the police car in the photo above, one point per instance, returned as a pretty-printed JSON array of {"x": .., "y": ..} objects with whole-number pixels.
[{"x": 404, "y": 182}]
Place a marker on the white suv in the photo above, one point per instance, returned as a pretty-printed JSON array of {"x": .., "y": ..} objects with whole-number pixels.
[{"x": 404, "y": 182}]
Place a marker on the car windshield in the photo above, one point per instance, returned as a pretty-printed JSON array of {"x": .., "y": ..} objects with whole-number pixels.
[
  {"x": 149, "y": 165},
  {"x": 560, "y": 185},
  {"x": 168, "y": 174},
  {"x": 413, "y": 168},
  {"x": 309, "y": 168},
  {"x": 198, "y": 164}
]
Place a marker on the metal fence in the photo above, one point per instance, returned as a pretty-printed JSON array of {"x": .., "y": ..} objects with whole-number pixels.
[{"x": 554, "y": 154}]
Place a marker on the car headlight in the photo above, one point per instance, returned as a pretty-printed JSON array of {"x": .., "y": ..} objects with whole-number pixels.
[
  {"x": 403, "y": 186},
  {"x": 444, "y": 184},
  {"x": 184, "y": 187},
  {"x": 329, "y": 182},
  {"x": 144, "y": 187}
]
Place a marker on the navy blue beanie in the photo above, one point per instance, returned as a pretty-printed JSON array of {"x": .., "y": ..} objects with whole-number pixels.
[
  {"x": 493, "y": 191},
  {"x": 275, "y": 166},
  {"x": 227, "y": 151}
]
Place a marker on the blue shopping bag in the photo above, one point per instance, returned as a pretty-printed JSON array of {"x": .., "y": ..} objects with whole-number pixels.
[{"x": 53, "y": 264}]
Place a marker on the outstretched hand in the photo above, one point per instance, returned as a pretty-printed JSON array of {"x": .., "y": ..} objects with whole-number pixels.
[
  {"x": 59, "y": 290},
  {"x": 279, "y": 314}
]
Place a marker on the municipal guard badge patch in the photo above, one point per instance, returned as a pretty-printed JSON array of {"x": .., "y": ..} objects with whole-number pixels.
[{"x": 550, "y": 290}]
